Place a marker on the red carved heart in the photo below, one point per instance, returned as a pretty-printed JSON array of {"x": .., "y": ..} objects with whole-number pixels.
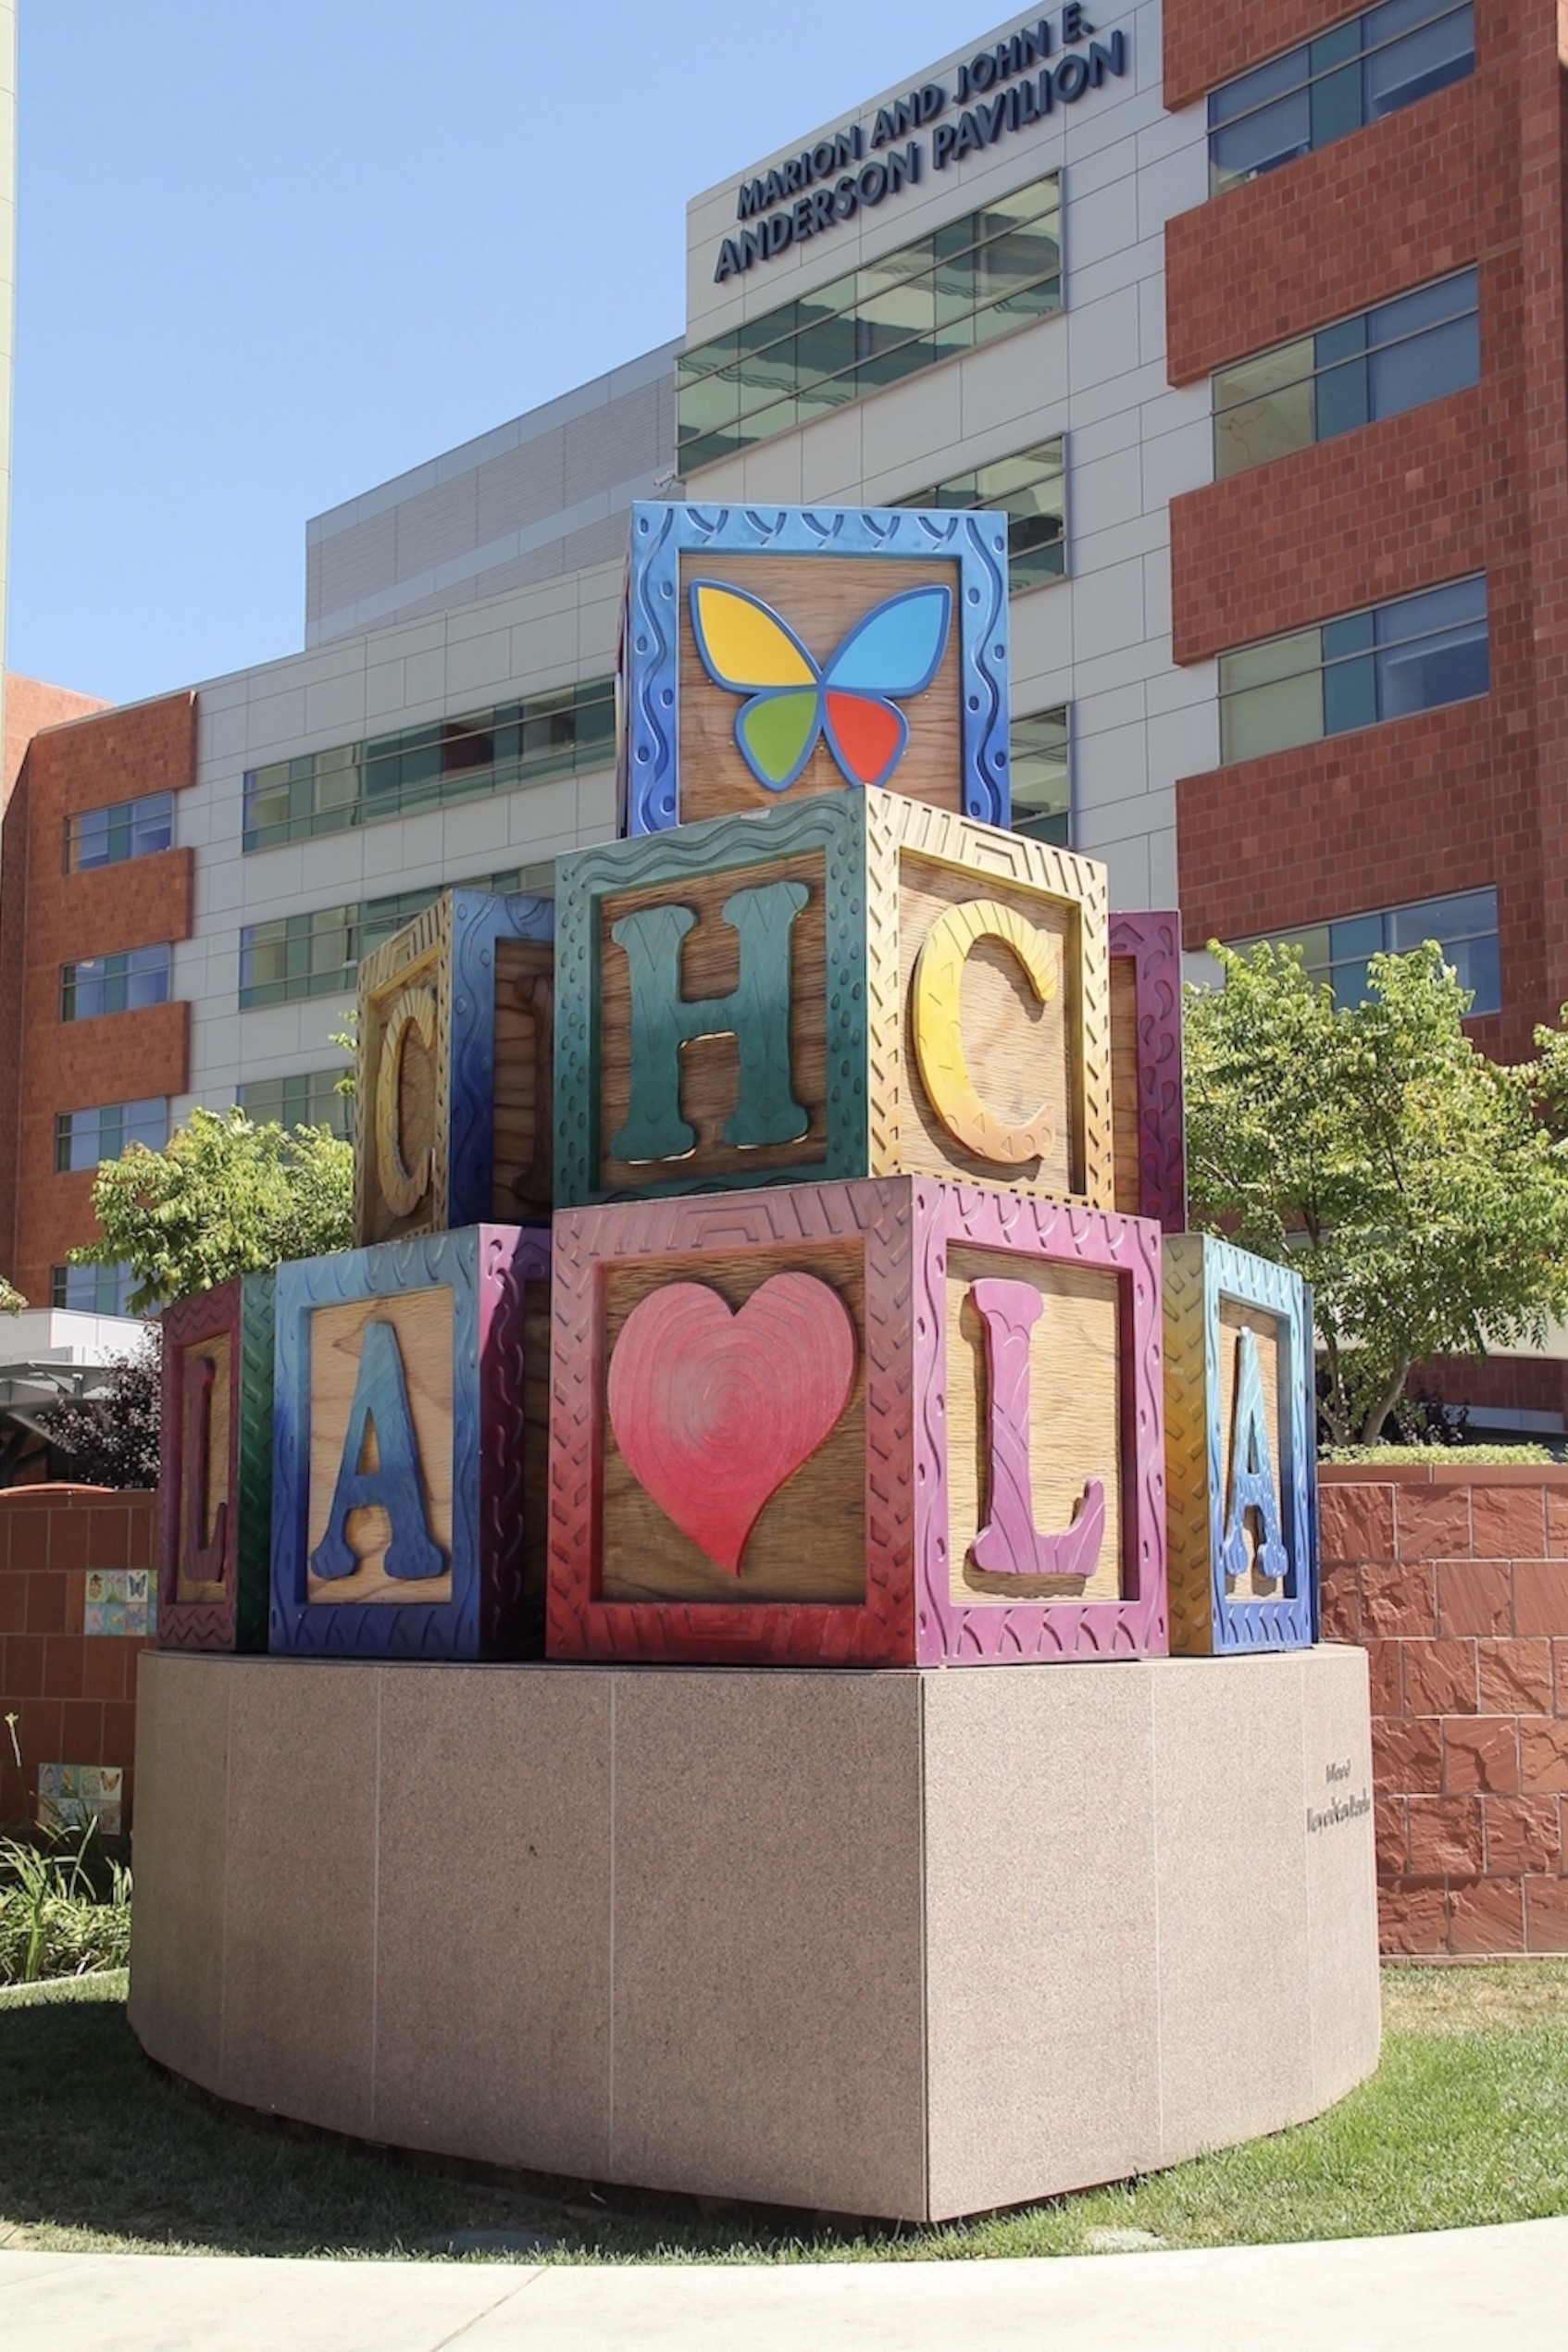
[{"x": 714, "y": 1410}]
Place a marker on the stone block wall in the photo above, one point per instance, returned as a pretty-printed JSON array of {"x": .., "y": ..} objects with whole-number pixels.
[{"x": 1455, "y": 1581}]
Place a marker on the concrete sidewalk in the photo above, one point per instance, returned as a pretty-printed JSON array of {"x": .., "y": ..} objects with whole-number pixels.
[{"x": 1456, "y": 2291}]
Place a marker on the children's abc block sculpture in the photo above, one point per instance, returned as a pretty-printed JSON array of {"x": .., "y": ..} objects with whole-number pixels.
[{"x": 214, "y": 1484}]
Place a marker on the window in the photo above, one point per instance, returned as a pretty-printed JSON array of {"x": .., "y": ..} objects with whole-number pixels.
[
  {"x": 84, "y": 1137},
  {"x": 1404, "y": 352},
  {"x": 1407, "y": 656},
  {"x": 1384, "y": 59},
  {"x": 308, "y": 1098},
  {"x": 126, "y": 829},
  {"x": 114, "y": 983},
  {"x": 91, "y": 1289},
  {"x": 319, "y": 953},
  {"x": 1041, "y": 797},
  {"x": 561, "y": 733},
  {"x": 1465, "y": 928},
  {"x": 1032, "y": 487},
  {"x": 967, "y": 283}
]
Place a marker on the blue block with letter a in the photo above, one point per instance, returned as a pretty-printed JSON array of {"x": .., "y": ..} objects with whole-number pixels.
[{"x": 408, "y": 1462}]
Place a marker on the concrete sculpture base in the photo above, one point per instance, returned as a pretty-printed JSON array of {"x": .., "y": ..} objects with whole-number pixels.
[{"x": 911, "y": 1944}]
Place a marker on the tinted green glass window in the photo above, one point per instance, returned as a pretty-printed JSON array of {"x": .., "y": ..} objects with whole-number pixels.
[
  {"x": 83, "y": 1138},
  {"x": 1413, "y": 655},
  {"x": 123, "y": 829},
  {"x": 1385, "y": 58},
  {"x": 319, "y": 953},
  {"x": 1031, "y": 487},
  {"x": 114, "y": 983},
  {"x": 1416, "y": 348},
  {"x": 563, "y": 732},
  {"x": 985, "y": 275},
  {"x": 306, "y": 1099},
  {"x": 1464, "y": 926},
  {"x": 1039, "y": 758}
]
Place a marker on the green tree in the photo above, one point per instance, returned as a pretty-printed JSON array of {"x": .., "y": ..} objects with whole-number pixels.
[
  {"x": 223, "y": 1197},
  {"x": 1374, "y": 1147}
]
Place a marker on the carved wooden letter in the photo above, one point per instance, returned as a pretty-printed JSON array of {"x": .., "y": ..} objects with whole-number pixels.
[
  {"x": 391, "y": 1481},
  {"x": 757, "y": 1013},
  {"x": 402, "y": 1187},
  {"x": 939, "y": 1035},
  {"x": 1009, "y": 1544},
  {"x": 1250, "y": 1485},
  {"x": 203, "y": 1562}
]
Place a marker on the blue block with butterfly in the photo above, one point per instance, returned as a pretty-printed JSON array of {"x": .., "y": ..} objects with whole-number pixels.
[{"x": 769, "y": 655}]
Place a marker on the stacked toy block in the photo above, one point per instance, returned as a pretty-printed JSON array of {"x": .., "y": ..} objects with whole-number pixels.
[{"x": 868, "y": 1333}]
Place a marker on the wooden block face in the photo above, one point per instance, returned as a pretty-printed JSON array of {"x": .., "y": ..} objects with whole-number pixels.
[
  {"x": 421, "y": 1325},
  {"x": 820, "y": 598},
  {"x": 206, "y": 1484},
  {"x": 1074, "y": 1428},
  {"x": 764, "y": 967},
  {"x": 711, "y": 1006},
  {"x": 407, "y": 1454},
  {"x": 886, "y": 630},
  {"x": 729, "y": 1430},
  {"x": 1239, "y": 1416},
  {"x": 523, "y": 1179},
  {"x": 1125, "y": 1095},
  {"x": 1268, "y": 1341},
  {"x": 1150, "y": 1143},
  {"x": 807, "y": 1541},
  {"x": 1038, "y": 1445},
  {"x": 453, "y": 1117},
  {"x": 215, "y": 1502}
]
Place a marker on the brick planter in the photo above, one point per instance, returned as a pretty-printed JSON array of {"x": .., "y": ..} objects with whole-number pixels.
[
  {"x": 72, "y": 1692},
  {"x": 1456, "y": 1583}
]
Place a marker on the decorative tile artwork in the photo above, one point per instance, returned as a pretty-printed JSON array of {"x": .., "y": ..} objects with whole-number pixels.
[
  {"x": 120, "y": 1603},
  {"x": 70, "y": 1795}
]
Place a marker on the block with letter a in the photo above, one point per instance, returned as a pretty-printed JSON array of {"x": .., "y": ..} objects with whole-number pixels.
[
  {"x": 893, "y": 1422},
  {"x": 1241, "y": 1458},
  {"x": 857, "y": 986},
  {"x": 452, "y": 1091},
  {"x": 214, "y": 1480},
  {"x": 409, "y": 1448}
]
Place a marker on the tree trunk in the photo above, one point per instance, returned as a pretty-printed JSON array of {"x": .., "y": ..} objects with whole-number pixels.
[{"x": 1372, "y": 1427}]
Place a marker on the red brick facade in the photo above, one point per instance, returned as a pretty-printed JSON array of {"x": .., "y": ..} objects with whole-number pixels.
[
  {"x": 1456, "y": 1582},
  {"x": 1455, "y": 799},
  {"x": 73, "y": 1696},
  {"x": 49, "y": 917}
]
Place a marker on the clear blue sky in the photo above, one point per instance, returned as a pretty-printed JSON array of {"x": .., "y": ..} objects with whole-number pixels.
[{"x": 268, "y": 254}]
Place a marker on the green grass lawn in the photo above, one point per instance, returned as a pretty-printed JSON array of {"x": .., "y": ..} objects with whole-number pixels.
[{"x": 1465, "y": 2122}]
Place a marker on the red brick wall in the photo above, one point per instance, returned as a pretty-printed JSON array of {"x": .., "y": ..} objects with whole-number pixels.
[
  {"x": 74, "y": 1698},
  {"x": 1208, "y": 40},
  {"x": 1456, "y": 1583},
  {"x": 49, "y": 917},
  {"x": 1453, "y": 800}
]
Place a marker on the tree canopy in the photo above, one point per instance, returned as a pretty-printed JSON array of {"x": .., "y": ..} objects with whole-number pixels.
[
  {"x": 1415, "y": 1184},
  {"x": 225, "y": 1196},
  {"x": 112, "y": 1440}
]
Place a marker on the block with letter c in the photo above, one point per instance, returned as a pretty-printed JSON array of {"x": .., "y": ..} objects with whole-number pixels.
[{"x": 452, "y": 1081}]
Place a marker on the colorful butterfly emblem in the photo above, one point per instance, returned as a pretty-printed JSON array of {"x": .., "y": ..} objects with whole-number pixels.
[{"x": 896, "y": 650}]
